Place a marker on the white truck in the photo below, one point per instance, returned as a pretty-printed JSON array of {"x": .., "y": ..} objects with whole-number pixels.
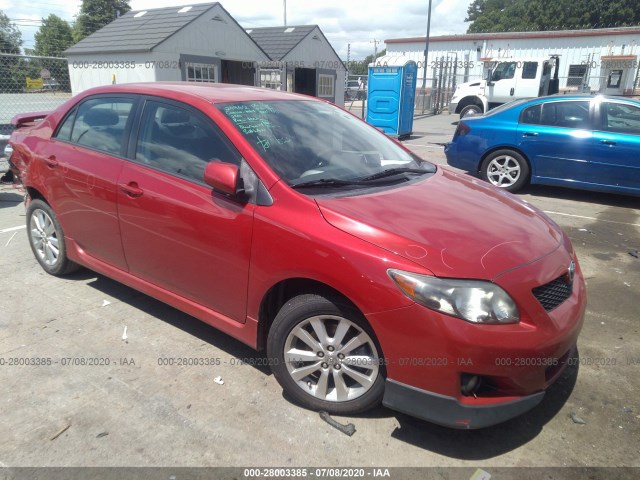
[{"x": 507, "y": 79}]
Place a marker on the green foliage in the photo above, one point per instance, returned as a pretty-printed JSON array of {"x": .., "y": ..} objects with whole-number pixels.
[
  {"x": 95, "y": 14},
  {"x": 361, "y": 67},
  {"x": 10, "y": 36},
  {"x": 488, "y": 16},
  {"x": 10, "y": 42},
  {"x": 53, "y": 37}
]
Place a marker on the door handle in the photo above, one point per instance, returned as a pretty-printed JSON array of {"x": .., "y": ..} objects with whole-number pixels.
[
  {"x": 511, "y": 92},
  {"x": 530, "y": 134},
  {"x": 52, "y": 161},
  {"x": 607, "y": 142},
  {"x": 131, "y": 189}
]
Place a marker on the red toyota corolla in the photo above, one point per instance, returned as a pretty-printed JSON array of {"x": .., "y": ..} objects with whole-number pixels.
[{"x": 368, "y": 274}]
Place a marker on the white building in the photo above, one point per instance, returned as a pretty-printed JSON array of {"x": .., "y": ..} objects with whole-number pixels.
[
  {"x": 604, "y": 59},
  {"x": 303, "y": 61}
]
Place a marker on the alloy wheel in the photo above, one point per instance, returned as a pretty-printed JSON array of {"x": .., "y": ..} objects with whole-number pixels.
[{"x": 331, "y": 358}]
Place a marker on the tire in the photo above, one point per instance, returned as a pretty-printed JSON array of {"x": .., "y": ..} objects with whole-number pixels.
[
  {"x": 47, "y": 239},
  {"x": 470, "y": 110},
  {"x": 325, "y": 356},
  {"x": 505, "y": 169}
]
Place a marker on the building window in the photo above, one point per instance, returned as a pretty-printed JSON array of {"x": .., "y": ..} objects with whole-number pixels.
[
  {"x": 202, "y": 72},
  {"x": 270, "y": 78},
  {"x": 325, "y": 85},
  {"x": 577, "y": 74}
]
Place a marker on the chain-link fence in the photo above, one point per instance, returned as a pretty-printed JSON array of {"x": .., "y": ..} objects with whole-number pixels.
[
  {"x": 355, "y": 94},
  {"x": 31, "y": 84}
]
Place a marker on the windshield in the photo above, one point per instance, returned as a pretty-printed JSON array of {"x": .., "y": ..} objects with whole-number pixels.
[{"x": 309, "y": 142}]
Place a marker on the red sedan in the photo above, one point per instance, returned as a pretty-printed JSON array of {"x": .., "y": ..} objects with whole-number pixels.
[{"x": 368, "y": 274}]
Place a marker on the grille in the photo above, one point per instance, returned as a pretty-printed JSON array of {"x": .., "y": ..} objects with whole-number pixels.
[{"x": 553, "y": 293}]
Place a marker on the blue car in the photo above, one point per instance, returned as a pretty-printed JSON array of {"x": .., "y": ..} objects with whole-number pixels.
[{"x": 578, "y": 141}]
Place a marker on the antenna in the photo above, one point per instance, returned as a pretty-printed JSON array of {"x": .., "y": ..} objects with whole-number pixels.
[{"x": 285, "y": 12}]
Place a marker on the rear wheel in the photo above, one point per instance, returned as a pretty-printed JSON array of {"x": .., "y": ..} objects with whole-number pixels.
[
  {"x": 470, "y": 110},
  {"x": 47, "y": 239},
  {"x": 506, "y": 169},
  {"x": 325, "y": 356}
]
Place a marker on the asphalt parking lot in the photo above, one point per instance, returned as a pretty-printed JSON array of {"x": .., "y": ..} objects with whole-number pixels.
[{"x": 102, "y": 391}]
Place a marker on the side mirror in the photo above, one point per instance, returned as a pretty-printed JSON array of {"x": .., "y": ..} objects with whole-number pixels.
[{"x": 224, "y": 177}]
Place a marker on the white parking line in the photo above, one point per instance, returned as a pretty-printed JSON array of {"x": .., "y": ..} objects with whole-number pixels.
[
  {"x": 13, "y": 229},
  {"x": 433, "y": 145},
  {"x": 591, "y": 218}
]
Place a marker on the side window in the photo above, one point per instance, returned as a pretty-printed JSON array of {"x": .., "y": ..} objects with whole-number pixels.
[
  {"x": 100, "y": 124},
  {"x": 504, "y": 71},
  {"x": 565, "y": 114},
  {"x": 531, "y": 115},
  {"x": 181, "y": 141},
  {"x": 64, "y": 132},
  {"x": 529, "y": 70},
  {"x": 620, "y": 117}
]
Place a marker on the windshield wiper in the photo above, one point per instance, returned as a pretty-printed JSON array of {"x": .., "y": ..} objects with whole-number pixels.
[
  {"x": 328, "y": 182},
  {"x": 368, "y": 180},
  {"x": 389, "y": 172}
]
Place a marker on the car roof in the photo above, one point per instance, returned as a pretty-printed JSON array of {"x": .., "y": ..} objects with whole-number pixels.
[
  {"x": 579, "y": 96},
  {"x": 211, "y": 92}
]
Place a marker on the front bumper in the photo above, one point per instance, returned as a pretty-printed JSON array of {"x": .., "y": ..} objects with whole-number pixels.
[
  {"x": 452, "y": 107},
  {"x": 448, "y": 412},
  {"x": 428, "y": 354}
]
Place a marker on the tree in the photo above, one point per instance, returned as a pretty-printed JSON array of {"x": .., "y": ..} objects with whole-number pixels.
[
  {"x": 53, "y": 37},
  {"x": 10, "y": 36},
  {"x": 362, "y": 67},
  {"x": 10, "y": 42},
  {"x": 95, "y": 14},
  {"x": 487, "y": 16}
]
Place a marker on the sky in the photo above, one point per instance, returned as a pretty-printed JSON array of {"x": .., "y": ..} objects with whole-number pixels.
[{"x": 355, "y": 22}]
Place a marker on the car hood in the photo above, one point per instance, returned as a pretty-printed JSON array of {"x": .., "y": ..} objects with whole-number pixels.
[{"x": 449, "y": 223}]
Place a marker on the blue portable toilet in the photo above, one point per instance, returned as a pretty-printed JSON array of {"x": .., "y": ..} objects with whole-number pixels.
[{"x": 391, "y": 94}]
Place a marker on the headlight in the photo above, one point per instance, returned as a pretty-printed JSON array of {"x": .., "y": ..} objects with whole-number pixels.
[{"x": 475, "y": 301}]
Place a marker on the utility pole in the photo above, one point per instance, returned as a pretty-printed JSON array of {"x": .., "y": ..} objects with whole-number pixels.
[
  {"x": 285, "y": 12},
  {"x": 426, "y": 53},
  {"x": 375, "y": 48},
  {"x": 348, "y": 63}
]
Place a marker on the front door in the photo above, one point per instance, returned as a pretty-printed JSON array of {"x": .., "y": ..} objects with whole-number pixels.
[
  {"x": 616, "y": 160},
  {"x": 558, "y": 139},
  {"x": 177, "y": 233},
  {"x": 503, "y": 79}
]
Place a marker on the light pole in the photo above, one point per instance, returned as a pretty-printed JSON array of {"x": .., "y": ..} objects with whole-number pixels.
[{"x": 426, "y": 54}]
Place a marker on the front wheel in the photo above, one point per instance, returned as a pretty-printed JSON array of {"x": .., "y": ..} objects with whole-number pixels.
[
  {"x": 325, "y": 356},
  {"x": 505, "y": 169},
  {"x": 47, "y": 239},
  {"x": 470, "y": 110}
]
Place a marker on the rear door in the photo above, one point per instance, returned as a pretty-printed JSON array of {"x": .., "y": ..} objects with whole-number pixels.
[
  {"x": 177, "y": 233},
  {"x": 528, "y": 79},
  {"x": 84, "y": 160}
]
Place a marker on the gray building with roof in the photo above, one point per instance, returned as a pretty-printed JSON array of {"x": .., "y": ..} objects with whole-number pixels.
[
  {"x": 303, "y": 61},
  {"x": 203, "y": 43},
  {"x": 200, "y": 43}
]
